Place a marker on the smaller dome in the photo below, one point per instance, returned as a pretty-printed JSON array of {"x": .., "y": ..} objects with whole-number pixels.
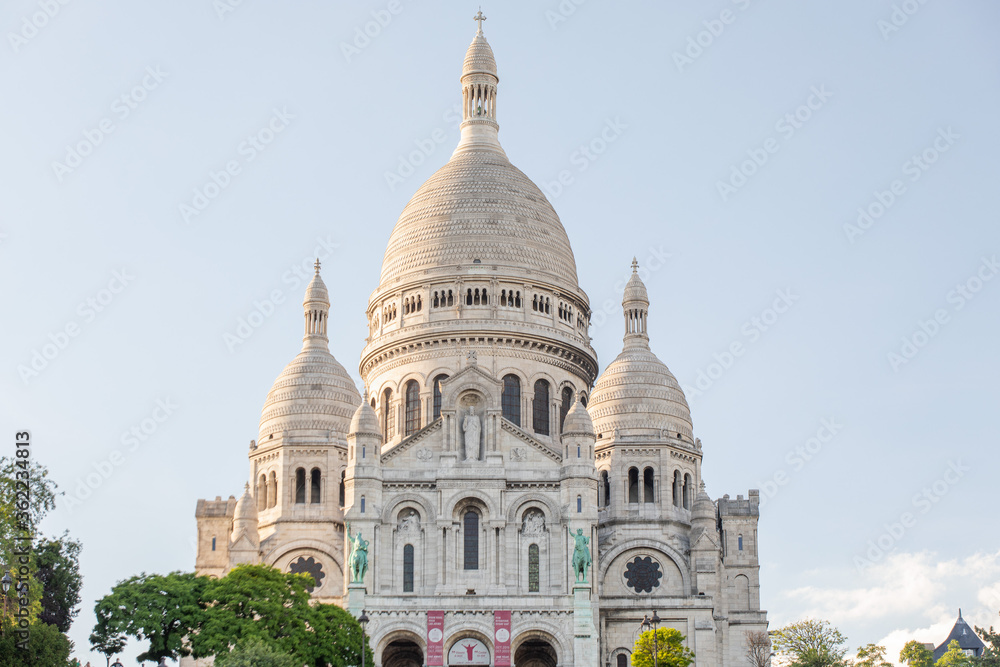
[
  {"x": 635, "y": 289},
  {"x": 246, "y": 508},
  {"x": 704, "y": 508},
  {"x": 578, "y": 420},
  {"x": 365, "y": 421},
  {"x": 479, "y": 58},
  {"x": 316, "y": 291}
]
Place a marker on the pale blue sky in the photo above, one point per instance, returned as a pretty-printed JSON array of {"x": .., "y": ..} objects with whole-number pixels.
[{"x": 878, "y": 98}]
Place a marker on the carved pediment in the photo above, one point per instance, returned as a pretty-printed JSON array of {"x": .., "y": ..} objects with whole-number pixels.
[
  {"x": 424, "y": 436},
  {"x": 530, "y": 441}
]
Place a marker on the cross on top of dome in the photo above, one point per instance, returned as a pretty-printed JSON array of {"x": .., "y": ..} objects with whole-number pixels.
[
  {"x": 479, "y": 18},
  {"x": 635, "y": 265},
  {"x": 316, "y": 266}
]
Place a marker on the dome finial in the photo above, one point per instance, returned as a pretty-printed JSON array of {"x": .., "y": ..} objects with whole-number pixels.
[
  {"x": 316, "y": 266},
  {"x": 479, "y": 18},
  {"x": 635, "y": 265},
  {"x": 635, "y": 304}
]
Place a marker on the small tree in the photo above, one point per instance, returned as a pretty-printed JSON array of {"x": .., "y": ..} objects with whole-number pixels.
[
  {"x": 669, "y": 649},
  {"x": 991, "y": 654},
  {"x": 758, "y": 644},
  {"x": 954, "y": 657},
  {"x": 872, "y": 655},
  {"x": 253, "y": 652},
  {"x": 58, "y": 563},
  {"x": 916, "y": 654},
  {"x": 810, "y": 643}
]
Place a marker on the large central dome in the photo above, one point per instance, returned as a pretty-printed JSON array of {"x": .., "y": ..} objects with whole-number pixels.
[{"x": 479, "y": 208}]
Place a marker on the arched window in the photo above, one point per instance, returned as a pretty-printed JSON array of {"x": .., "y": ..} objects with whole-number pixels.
[
  {"x": 647, "y": 486},
  {"x": 343, "y": 487},
  {"x": 633, "y": 485},
  {"x": 314, "y": 486},
  {"x": 261, "y": 494},
  {"x": 412, "y": 407},
  {"x": 583, "y": 400},
  {"x": 408, "y": 568},
  {"x": 213, "y": 543},
  {"x": 621, "y": 660},
  {"x": 437, "y": 394},
  {"x": 579, "y": 504},
  {"x": 687, "y": 491},
  {"x": 362, "y": 504},
  {"x": 272, "y": 490},
  {"x": 739, "y": 542},
  {"x": 540, "y": 408},
  {"x": 470, "y": 528},
  {"x": 605, "y": 489},
  {"x": 300, "y": 486},
  {"x": 510, "y": 399},
  {"x": 387, "y": 421},
  {"x": 567, "y": 402},
  {"x": 677, "y": 488},
  {"x": 533, "y": 586}
]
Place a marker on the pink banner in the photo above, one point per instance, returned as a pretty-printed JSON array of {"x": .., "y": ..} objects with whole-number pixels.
[
  {"x": 435, "y": 639},
  {"x": 501, "y": 638}
]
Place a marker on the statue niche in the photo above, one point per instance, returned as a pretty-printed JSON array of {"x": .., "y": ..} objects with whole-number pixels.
[{"x": 472, "y": 434}]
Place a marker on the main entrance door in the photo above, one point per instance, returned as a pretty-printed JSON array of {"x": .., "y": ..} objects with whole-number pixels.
[
  {"x": 402, "y": 653},
  {"x": 535, "y": 653}
]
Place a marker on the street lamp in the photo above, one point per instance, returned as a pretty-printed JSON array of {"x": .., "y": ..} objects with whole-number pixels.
[
  {"x": 653, "y": 623},
  {"x": 5, "y": 583},
  {"x": 363, "y": 620},
  {"x": 118, "y": 663}
]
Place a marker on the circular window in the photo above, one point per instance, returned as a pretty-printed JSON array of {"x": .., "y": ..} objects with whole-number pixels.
[
  {"x": 311, "y": 567},
  {"x": 643, "y": 574}
]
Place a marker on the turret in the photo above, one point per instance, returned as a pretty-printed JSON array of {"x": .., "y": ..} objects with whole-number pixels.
[{"x": 244, "y": 545}]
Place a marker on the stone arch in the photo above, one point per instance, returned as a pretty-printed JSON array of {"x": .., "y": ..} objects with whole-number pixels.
[
  {"x": 741, "y": 593},
  {"x": 474, "y": 629},
  {"x": 517, "y": 507},
  {"x": 391, "y": 511},
  {"x": 460, "y": 500},
  {"x": 475, "y": 381},
  {"x": 544, "y": 375},
  {"x": 410, "y": 632},
  {"x": 608, "y": 557},
  {"x": 440, "y": 370},
  {"x": 540, "y": 632},
  {"x": 411, "y": 375}
]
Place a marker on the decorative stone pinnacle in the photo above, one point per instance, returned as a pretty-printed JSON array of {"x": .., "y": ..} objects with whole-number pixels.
[
  {"x": 317, "y": 266},
  {"x": 246, "y": 487},
  {"x": 479, "y": 18}
]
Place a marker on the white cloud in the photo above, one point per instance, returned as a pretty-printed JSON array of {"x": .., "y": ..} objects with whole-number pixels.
[{"x": 907, "y": 596}]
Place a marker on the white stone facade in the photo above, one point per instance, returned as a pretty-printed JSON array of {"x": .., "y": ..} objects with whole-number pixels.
[{"x": 471, "y": 461}]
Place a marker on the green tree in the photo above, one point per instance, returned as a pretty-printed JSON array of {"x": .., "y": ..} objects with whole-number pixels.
[
  {"x": 254, "y": 652},
  {"x": 669, "y": 649},
  {"x": 58, "y": 563},
  {"x": 151, "y": 607},
  {"x": 19, "y": 519},
  {"x": 342, "y": 647},
  {"x": 872, "y": 655},
  {"x": 108, "y": 645},
  {"x": 916, "y": 654},
  {"x": 991, "y": 654},
  {"x": 954, "y": 657},
  {"x": 810, "y": 643},
  {"x": 47, "y": 647}
]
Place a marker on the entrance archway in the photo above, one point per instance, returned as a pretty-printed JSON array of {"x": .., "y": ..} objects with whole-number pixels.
[
  {"x": 535, "y": 652},
  {"x": 402, "y": 653}
]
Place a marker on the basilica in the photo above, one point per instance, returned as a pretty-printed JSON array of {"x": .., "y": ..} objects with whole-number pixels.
[{"x": 488, "y": 497}]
